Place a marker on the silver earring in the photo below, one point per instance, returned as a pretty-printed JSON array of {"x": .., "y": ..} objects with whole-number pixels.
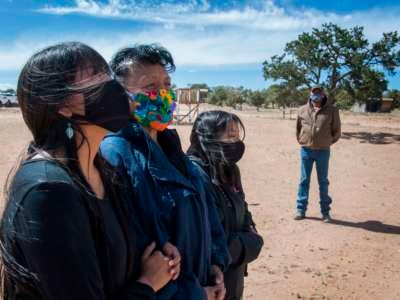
[{"x": 69, "y": 131}]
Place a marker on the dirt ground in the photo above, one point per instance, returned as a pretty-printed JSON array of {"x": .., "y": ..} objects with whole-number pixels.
[{"x": 355, "y": 257}]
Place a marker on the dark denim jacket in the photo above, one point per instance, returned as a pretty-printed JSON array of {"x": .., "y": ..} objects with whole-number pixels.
[{"x": 173, "y": 206}]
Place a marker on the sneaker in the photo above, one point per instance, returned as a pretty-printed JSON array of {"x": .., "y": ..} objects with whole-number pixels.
[
  {"x": 326, "y": 218},
  {"x": 299, "y": 216}
]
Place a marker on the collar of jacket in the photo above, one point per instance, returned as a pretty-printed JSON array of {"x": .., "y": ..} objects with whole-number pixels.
[
  {"x": 160, "y": 168},
  {"x": 324, "y": 106}
]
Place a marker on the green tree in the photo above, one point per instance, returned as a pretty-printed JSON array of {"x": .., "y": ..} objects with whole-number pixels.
[
  {"x": 270, "y": 95},
  {"x": 336, "y": 57},
  {"x": 218, "y": 96},
  {"x": 236, "y": 97},
  {"x": 290, "y": 95},
  {"x": 229, "y": 96},
  {"x": 198, "y": 86},
  {"x": 9, "y": 91},
  {"x": 343, "y": 99},
  {"x": 371, "y": 84},
  {"x": 257, "y": 99},
  {"x": 246, "y": 95},
  {"x": 283, "y": 95}
]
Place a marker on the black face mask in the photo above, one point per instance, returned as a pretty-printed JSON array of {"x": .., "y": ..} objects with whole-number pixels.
[
  {"x": 229, "y": 153},
  {"x": 109, "y": 109}
]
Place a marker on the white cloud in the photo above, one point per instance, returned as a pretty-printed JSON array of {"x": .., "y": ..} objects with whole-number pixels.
[
  {"x": 190, "y": 47},
  {"x": 254, "y": 17},
  {"x": 13, "y": 55},
  {"x": 265, "y": 15},
  {"x": 5, "y": 86},
  {"x": 197, "y": 34}
]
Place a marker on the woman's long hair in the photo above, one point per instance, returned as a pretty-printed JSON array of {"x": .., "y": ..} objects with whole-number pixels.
[
  {"x": 46, "y": 83},
  {"x": 208, "y": 127}
]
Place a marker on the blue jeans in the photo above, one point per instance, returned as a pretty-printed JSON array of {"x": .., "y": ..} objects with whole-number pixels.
[{"x": 321, "y": 159}]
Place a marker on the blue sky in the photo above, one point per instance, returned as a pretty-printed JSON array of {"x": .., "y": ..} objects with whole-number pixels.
[{"x": 213, "y": 42}]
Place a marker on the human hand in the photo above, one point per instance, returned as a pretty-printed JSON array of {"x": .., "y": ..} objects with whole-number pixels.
[
  {"x": 216, "y": 292},
  {"x": 156, "y": 270},
  {"x": 175, "y": 258},
  {"x": 219, "y": 287},
  {"x": 217, "y": 274}
]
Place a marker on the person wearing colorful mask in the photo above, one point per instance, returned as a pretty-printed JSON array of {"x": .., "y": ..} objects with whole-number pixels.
[
  {"x": 216, "y": 144},
  {"x": 69, "y": 230},
  {"x": 318, "y": 127},
  {"x": 175, "y": 204}
]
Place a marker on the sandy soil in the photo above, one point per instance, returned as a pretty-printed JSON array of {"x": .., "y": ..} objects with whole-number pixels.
[{"x": 355, "y": 257}]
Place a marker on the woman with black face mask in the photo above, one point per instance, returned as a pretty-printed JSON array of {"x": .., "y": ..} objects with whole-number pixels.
[
  {"x": 68, "y": 230},
  {"x": 216, "y": 145}
]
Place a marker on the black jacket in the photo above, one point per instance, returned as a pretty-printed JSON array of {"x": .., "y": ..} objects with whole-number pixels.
[
  {"x": 243, "y": 240},
  {"x": 54, "y": 238}
]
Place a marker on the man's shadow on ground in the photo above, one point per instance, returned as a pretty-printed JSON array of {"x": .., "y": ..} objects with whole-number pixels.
[
  {"x": 370, "y": 225},
  {"x": 373, "y": 137}
]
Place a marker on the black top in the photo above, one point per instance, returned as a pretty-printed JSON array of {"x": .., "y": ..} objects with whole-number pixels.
[
  {"x": 116, "y": 238},
  {"x": 244, "y": 242},
  {"x": 56, "y": 239}
]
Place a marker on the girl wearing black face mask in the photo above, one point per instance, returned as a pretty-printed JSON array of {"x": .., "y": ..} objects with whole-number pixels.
[
  {"x": 216, "y": 145},
  {"x": 68, "y": 231}
]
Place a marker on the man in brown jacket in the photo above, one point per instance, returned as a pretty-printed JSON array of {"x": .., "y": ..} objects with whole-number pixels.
[{"x": 318, "y": 127}]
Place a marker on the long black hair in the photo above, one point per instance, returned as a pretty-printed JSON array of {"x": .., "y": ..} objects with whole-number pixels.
[
  {"x": 46, "y": 83},
  {"x": 208, "y": 127}
]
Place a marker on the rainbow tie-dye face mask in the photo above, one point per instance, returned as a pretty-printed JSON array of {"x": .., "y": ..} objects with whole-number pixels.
[{"x": 154, "y": 109}]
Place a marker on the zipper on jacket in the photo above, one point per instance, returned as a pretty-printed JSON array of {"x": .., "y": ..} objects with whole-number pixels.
[{"x": 314, "y": 118}]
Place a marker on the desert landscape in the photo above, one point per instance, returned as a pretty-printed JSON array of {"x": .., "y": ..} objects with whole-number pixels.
[{"x": 357, "y": 256}]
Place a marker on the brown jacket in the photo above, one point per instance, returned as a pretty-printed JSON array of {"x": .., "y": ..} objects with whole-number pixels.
[{"x": 318, "y": 130}]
